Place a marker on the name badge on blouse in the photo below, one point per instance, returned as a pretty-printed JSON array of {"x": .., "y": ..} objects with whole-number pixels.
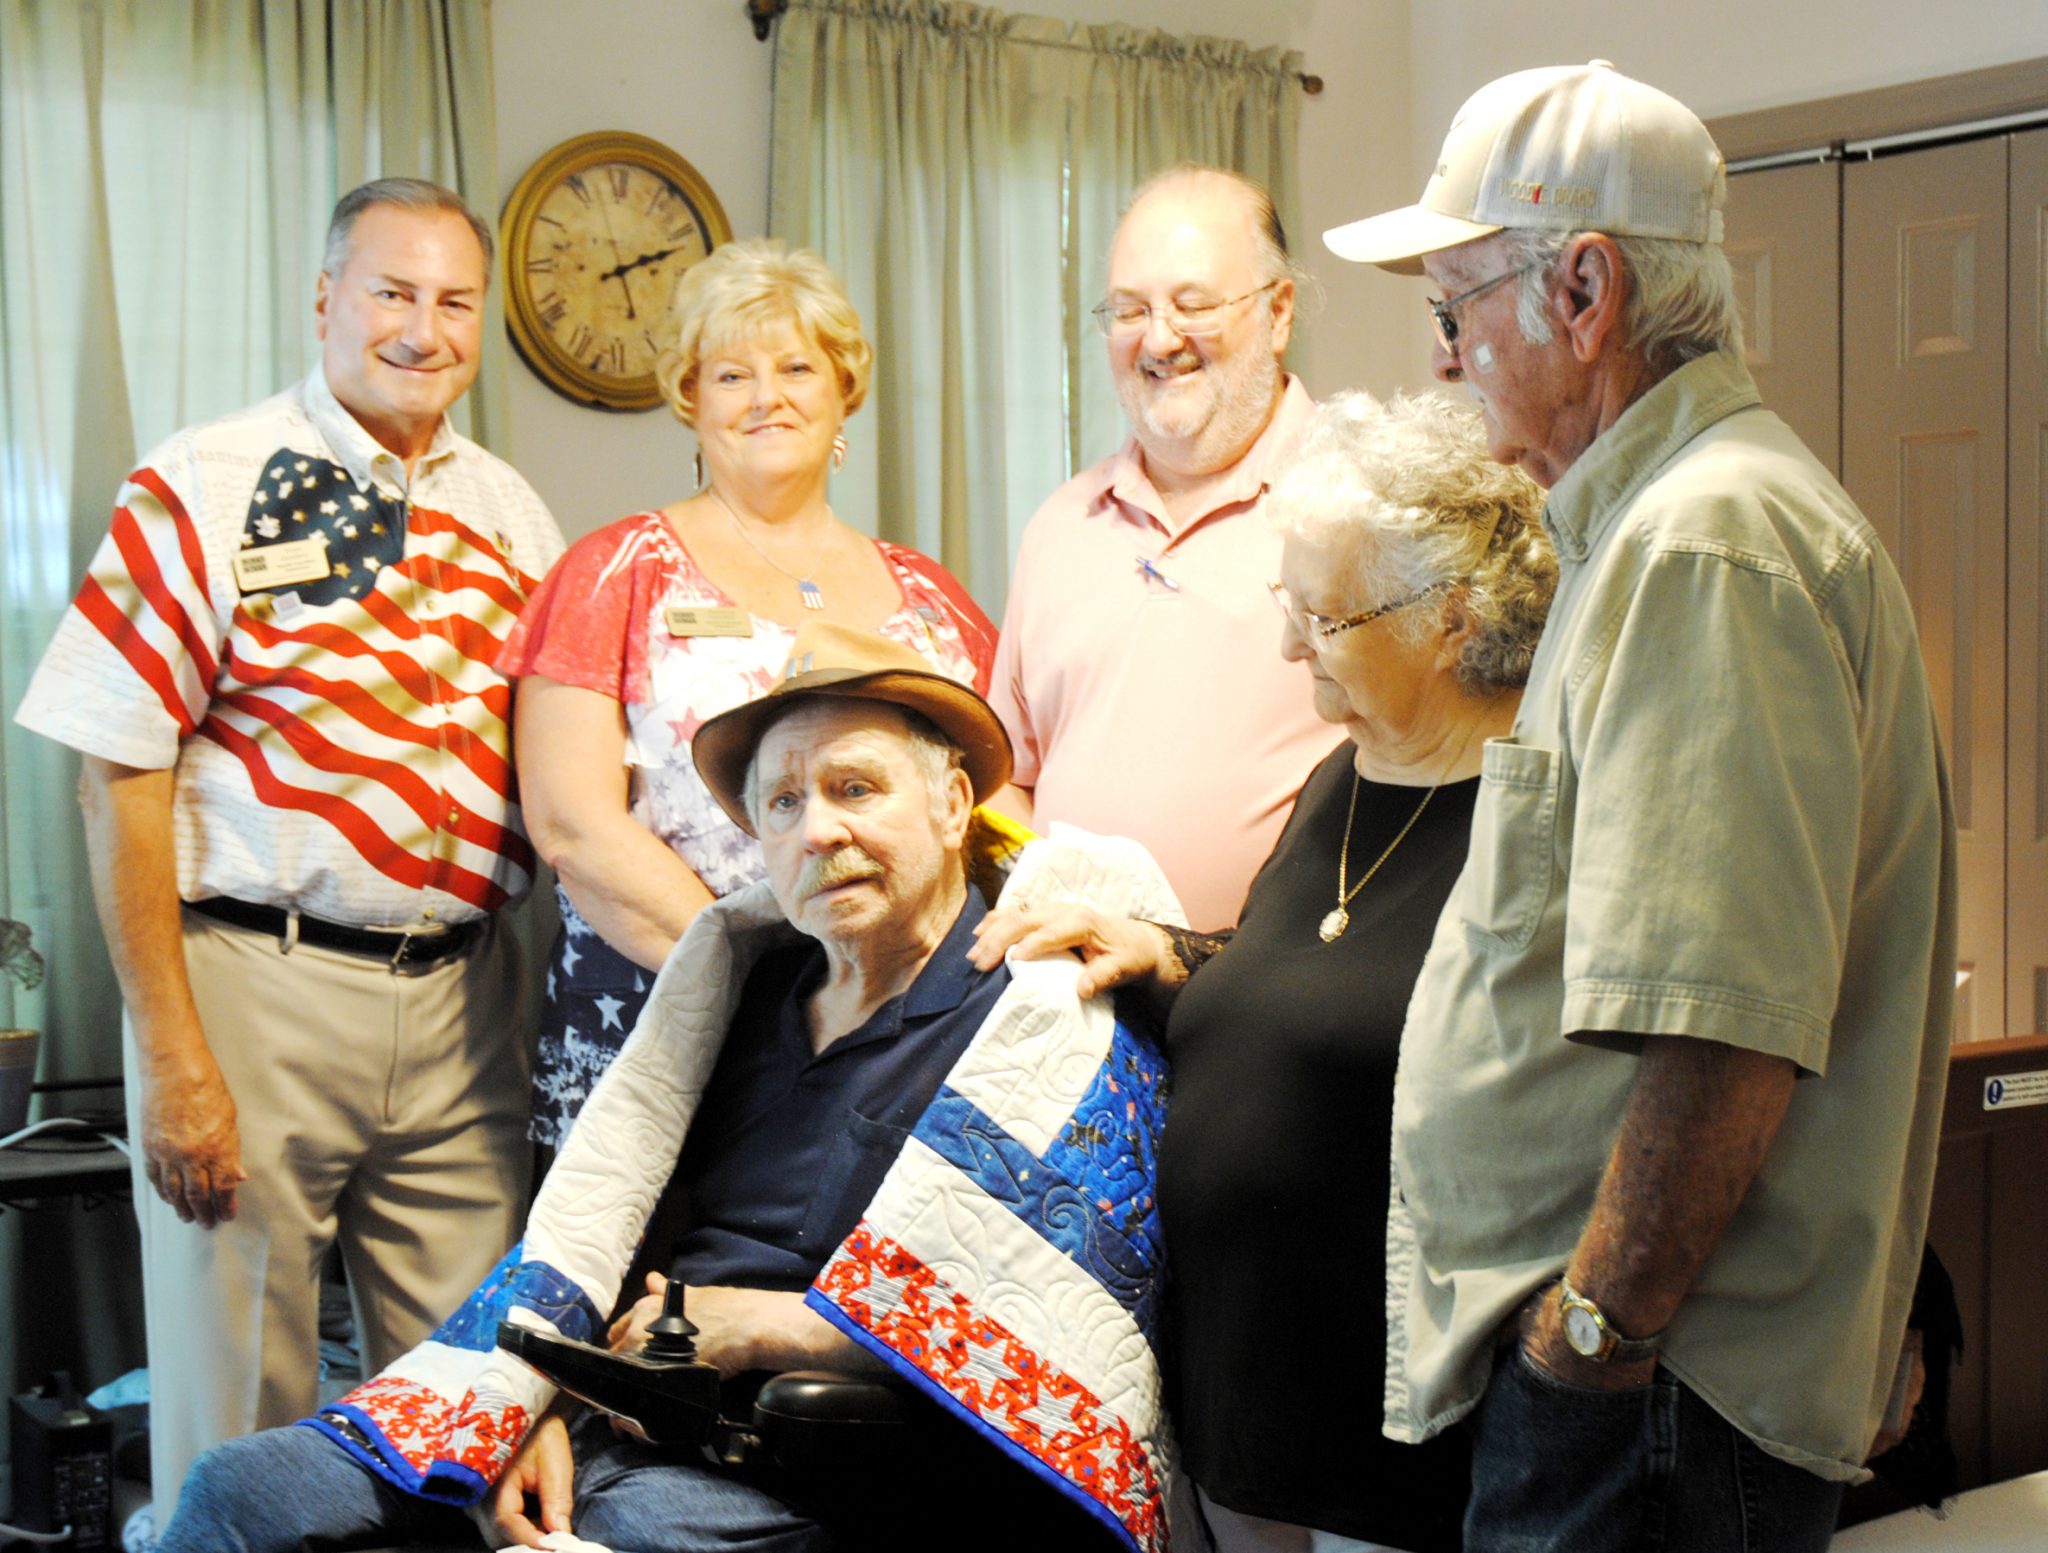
[
  {"x": 684, "y": 621},
  {"x": 281, "y": 565}
]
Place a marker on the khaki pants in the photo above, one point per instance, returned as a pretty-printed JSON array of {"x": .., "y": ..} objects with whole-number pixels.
[{"x": 388, "y": 1111}]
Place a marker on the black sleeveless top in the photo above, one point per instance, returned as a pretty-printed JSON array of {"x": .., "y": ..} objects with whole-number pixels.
[{"x": 1273, "y": 1176}]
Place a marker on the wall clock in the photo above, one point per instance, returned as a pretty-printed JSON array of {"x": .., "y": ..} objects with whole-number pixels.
[{"x": 593, "y": 240}]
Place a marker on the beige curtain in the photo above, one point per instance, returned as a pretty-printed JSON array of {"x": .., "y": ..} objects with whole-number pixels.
[
  {"x": 962, "y": 169},
  {"x": 166, "y": 174}
]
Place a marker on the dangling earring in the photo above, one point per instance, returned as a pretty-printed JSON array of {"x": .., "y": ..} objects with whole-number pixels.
[
  {"x": 839, "y": 450},
  {"x": 697, "y": 462}
]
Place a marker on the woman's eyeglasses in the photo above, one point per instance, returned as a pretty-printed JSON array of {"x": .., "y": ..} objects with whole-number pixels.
[{"x": 1320, "y": 628}]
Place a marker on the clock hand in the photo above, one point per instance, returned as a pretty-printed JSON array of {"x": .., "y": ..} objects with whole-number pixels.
[
  {"x": 618, "y": 273},
  {"x": 644, "y": 259}
]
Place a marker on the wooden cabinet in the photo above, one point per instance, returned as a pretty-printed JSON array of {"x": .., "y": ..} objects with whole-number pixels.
[
  {"x": 1784, "y": 245},
  {"x": 2026, "y": 538},
  {"x": 1923, "y": 453},
  {"x": 1895, "y": 312}
]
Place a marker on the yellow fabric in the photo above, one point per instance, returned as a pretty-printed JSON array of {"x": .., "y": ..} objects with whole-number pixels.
[{"x": 994, "y": 842}]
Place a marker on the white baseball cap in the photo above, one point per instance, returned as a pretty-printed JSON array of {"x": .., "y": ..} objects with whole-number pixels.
[{"x": 1569, "y": 148}]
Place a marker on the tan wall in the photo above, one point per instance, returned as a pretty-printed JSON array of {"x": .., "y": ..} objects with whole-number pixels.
[{"x": 690, "y": 73}]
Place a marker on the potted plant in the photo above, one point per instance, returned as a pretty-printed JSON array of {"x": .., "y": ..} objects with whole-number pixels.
[{"x": 20, "y": 964}]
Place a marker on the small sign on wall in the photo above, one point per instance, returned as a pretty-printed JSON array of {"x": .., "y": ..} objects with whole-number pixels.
[{"x": 2011, "y": 1090}]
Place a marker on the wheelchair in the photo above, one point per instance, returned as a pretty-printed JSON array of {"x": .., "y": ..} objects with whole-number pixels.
[{"x": 883, "y": 1467}]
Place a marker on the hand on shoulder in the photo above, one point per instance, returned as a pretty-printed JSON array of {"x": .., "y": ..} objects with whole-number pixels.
[{"x": 1113, "y": 951}]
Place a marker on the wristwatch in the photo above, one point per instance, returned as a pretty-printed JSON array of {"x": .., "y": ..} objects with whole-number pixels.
[{"x": 1592, "y": 1336}]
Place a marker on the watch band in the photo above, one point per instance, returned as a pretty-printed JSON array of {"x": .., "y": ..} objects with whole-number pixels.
[{"x": 1610, "y": 1346}]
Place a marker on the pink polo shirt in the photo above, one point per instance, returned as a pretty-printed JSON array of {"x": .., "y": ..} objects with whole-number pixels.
[{"x": 1140, "y": 677}]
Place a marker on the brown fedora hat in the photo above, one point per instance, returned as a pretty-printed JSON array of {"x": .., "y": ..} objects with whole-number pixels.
[{"x": 836, "y": 660}]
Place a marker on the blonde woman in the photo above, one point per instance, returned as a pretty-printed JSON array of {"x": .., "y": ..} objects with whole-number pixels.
[{"x": 657, "y": 622}]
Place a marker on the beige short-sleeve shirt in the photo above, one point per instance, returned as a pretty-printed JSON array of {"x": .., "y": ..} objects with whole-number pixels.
[{"x": 1722, "y": 813}]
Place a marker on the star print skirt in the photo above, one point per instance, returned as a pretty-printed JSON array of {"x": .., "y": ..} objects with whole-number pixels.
[{"x": 594, "y": 995}]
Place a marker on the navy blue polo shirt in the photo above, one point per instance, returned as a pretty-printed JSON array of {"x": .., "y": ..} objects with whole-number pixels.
[{"x": 788, "y": 1147}]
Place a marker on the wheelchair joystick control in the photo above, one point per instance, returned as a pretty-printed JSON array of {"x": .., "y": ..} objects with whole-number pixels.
[
  {"x": 664, "y": 1391},
  {"x": 672, "y": 1336}
]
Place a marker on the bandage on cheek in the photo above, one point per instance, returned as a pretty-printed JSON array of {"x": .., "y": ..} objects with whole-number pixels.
[{"x": 1482, "y": 356}]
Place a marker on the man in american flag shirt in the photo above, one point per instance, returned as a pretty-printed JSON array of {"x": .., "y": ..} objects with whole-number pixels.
[{"x": 303, "y": 828}]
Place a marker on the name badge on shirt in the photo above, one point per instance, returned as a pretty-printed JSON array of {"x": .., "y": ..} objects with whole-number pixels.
[
  {"x": 281, "y": 565},
  {"x": 686, "y": 621}
]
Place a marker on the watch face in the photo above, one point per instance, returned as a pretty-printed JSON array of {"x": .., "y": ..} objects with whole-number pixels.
[
  {"x": 597, "y": 234},
  {"x": 1582, "y": 1331}
]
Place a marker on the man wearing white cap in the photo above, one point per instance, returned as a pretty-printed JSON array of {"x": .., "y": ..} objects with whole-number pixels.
[{"x": 1672, "y": 1078}]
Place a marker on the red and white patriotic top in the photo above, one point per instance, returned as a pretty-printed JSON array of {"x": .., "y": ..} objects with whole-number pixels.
[
  {"x": 309, "y": 638},
  {"x": 630, "y": 615}
]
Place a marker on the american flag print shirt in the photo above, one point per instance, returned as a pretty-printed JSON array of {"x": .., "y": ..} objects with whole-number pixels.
[{"x": 309, "y": 637}]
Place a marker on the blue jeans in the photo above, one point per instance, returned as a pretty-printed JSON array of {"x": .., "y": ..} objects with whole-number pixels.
[
  {"x": 1557, "y": 1468},
  {"x": 293, "y": 1490}
]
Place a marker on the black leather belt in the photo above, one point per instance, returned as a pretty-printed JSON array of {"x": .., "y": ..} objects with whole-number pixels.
[{"x": 396, "y": 949}]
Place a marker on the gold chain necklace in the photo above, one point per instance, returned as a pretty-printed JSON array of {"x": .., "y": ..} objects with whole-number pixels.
[
  {"x": 1335, "y": 921},
  {"x": 812, "y": 595},
  {"x": 1339, "y": 918}
]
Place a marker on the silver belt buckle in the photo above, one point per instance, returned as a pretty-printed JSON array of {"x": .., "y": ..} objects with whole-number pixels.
[{"x": 398, "y": 955}]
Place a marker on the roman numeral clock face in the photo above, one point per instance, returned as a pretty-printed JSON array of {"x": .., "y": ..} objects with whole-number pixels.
[{"x": 595, "y": 238}]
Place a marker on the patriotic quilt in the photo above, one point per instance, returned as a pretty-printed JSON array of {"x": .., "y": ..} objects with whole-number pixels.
[
  {"x": 443, "y": 1420},
  {"x": 1010, "y": 1264}
]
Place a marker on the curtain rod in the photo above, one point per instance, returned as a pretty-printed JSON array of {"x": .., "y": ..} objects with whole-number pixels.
[
  {"x": 762, "y": 13},
  {"x": 1883, "y": 145}
]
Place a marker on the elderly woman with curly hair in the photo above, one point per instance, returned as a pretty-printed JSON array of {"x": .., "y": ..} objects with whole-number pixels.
[
  {"x": 1414, "y": 582},
  {"x": 657, "y": 622}
]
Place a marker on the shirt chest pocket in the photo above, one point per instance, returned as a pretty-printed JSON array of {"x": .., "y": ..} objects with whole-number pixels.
[
  {"x": 1512, "y": 863},
  {"x": 860, "y": 1157}
]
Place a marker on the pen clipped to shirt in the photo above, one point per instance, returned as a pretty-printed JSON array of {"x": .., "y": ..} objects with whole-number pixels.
[{"x": 1149, "y": 570}]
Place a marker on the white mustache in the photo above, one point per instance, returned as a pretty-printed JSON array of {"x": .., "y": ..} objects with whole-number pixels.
[{"x": 836, "y": 868}]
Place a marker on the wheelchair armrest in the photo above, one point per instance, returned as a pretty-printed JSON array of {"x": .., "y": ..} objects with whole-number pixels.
[
  {"x": 809, "y": 1397},
  {"x": 835, "y": 1428}
]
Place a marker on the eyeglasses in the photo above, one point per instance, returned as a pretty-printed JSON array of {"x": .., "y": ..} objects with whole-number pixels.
[
  {"x": 1190, "y": 320},
  {"x": 1446, "y": 321},
  {"x": 1320, "y": 628}
]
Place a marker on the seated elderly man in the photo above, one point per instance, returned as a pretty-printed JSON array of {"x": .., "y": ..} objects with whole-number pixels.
[{"x": 858, "y": 773}]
